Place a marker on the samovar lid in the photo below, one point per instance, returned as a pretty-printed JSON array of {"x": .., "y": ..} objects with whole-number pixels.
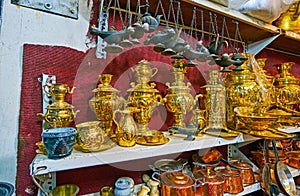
[
  {"x": 105, "y": 88},
  {"x": 143, "y": 88}
]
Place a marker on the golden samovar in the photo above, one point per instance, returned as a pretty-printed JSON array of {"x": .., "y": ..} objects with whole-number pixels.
[
  {"x": 59, "y": 113},
  {"x": 143, "y": 96},
  {"x": 242, "y": 90},
  {"x": 105, "y": 102},
  {"x": 179, "y": 101},
  {"x": 287, "y": 87}
]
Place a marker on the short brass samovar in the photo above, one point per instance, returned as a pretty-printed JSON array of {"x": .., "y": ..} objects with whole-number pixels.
[
  {"x": 143, "y": 96},
  {"x": 105, "y": 102},
  {"x": 59, "y": 113},
  {"x": 179, "y": 101},
  {"x": 287, "y": 87}
]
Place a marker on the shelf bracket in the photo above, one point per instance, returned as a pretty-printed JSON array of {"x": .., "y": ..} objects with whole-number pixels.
[
  {"x": 258, "y": 46},
  {"x": 102, "y": 26},
  {"x": 235, "y": 154}
]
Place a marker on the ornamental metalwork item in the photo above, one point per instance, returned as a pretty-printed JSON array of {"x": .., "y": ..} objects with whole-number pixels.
[
  {"x": 127, "y": 132},
  {"x": 287, "y": 87},
  {"x": 179, "y": 101},
  {"x": 105, "y": 102},
  {"x": 60, "y": 113},
  {"x": 242, "y": 90},
  {"x": 215, "y": 102},
  {"x": 143, "y": 96}
]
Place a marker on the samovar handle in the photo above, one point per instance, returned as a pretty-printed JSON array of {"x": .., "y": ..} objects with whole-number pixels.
[
  {"x": 115, "y": 120},
  {"x": 159, "y": 99},
  {"x": 197, "y": 97},
  {"x": 155, "y": 71},
  {"x": 72, "y": 90}
]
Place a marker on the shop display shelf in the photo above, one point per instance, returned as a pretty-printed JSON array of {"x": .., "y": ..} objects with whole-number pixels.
[{"x": 177, "y": 144}]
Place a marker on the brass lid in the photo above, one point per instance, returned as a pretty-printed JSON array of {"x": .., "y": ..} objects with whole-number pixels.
[
  {"x": 209, "y": 176},
  {"x": 105, "y": 88},
  {"x": 240, "y": 165},
  {"x": 143, "y": 88},
  {"x": 177, "y": 179},
  {"x": 60, "y": 105},
  {"x": 227, "y": 171}
]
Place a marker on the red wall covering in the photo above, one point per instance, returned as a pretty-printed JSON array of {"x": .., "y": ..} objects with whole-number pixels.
[{"x": 81, "y": 70}]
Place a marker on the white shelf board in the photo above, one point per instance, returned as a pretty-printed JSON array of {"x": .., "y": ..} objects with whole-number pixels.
[
  {"x": 234, "y": 14},
  {"x": 247, "y": 190},
  {"x": 177, "y": 144}
]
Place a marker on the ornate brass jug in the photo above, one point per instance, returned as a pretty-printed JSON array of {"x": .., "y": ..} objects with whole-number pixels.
[
  {"x": 287, "y": 87},
  {"x": 60, "y": 113},
  {"x": 127, "y": 131},
  {"x": 179, "y": 101},
  {"x": 105, "y": 102}
]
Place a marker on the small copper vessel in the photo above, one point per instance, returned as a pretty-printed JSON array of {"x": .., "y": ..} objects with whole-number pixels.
[
  {"x": 176, "y": 183},
  {"x": 233, "y": 181},
  {"x": 214, "y": 183},
  {"x": 247, "y": 174},
  {"x": 293, "y": 159}
]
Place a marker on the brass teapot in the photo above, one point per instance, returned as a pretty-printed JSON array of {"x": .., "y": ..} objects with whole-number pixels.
[
  {"x": 289, "y": 20},
  {"x": 60, "y": 113}
]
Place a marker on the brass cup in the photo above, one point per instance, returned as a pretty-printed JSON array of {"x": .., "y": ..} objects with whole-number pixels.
[
  {"x": 66, "y": 189},
  {"x": 152, "y": 136}
]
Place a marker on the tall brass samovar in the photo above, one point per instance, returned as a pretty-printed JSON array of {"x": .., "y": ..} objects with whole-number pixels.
[
  {"x": 143, "y": 96},
  {"x": 105, "y": 102},
  {"x": 179, "y": 101}
]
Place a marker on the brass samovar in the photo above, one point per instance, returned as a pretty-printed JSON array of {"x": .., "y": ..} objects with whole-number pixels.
[
  {"x": 242, "y": 90},
  {"x": 179, "y": 101},
  {"x": 59, "y": 113},
  {"x": 287, "y": 87},
  {"x": 143, "y": 96},
  {"x": 105, "y": 102}
]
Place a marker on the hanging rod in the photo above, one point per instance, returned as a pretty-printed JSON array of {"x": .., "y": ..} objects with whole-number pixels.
[
  {"x": 283, "y": 52},
  {"x": 172, "y": 24}
]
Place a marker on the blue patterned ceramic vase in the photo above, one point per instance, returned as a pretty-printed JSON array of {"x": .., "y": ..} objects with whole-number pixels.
[{"x": 122, "y": 187}]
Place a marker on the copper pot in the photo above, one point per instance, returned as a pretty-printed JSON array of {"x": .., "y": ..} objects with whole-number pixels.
[
  {"x": 213, "y": 182},
  {"x": 210, "y": 156},
  {"x": 294, "y": 159},
  {"x": 176, "y": 183},
  {"x": 198, "y": 164},
  {"x": 259, "y": 158},
  {"x": 233, "y": 181},
  {"x": 247, "y": 174}
]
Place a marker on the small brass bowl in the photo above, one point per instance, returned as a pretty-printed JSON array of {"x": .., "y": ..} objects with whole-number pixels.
[
  {"x": 90, "y": 136},
  {"x": 258, "y": 123},
  {"x": 66, "y": 189},
  {"x": 153, "y": 136}
]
